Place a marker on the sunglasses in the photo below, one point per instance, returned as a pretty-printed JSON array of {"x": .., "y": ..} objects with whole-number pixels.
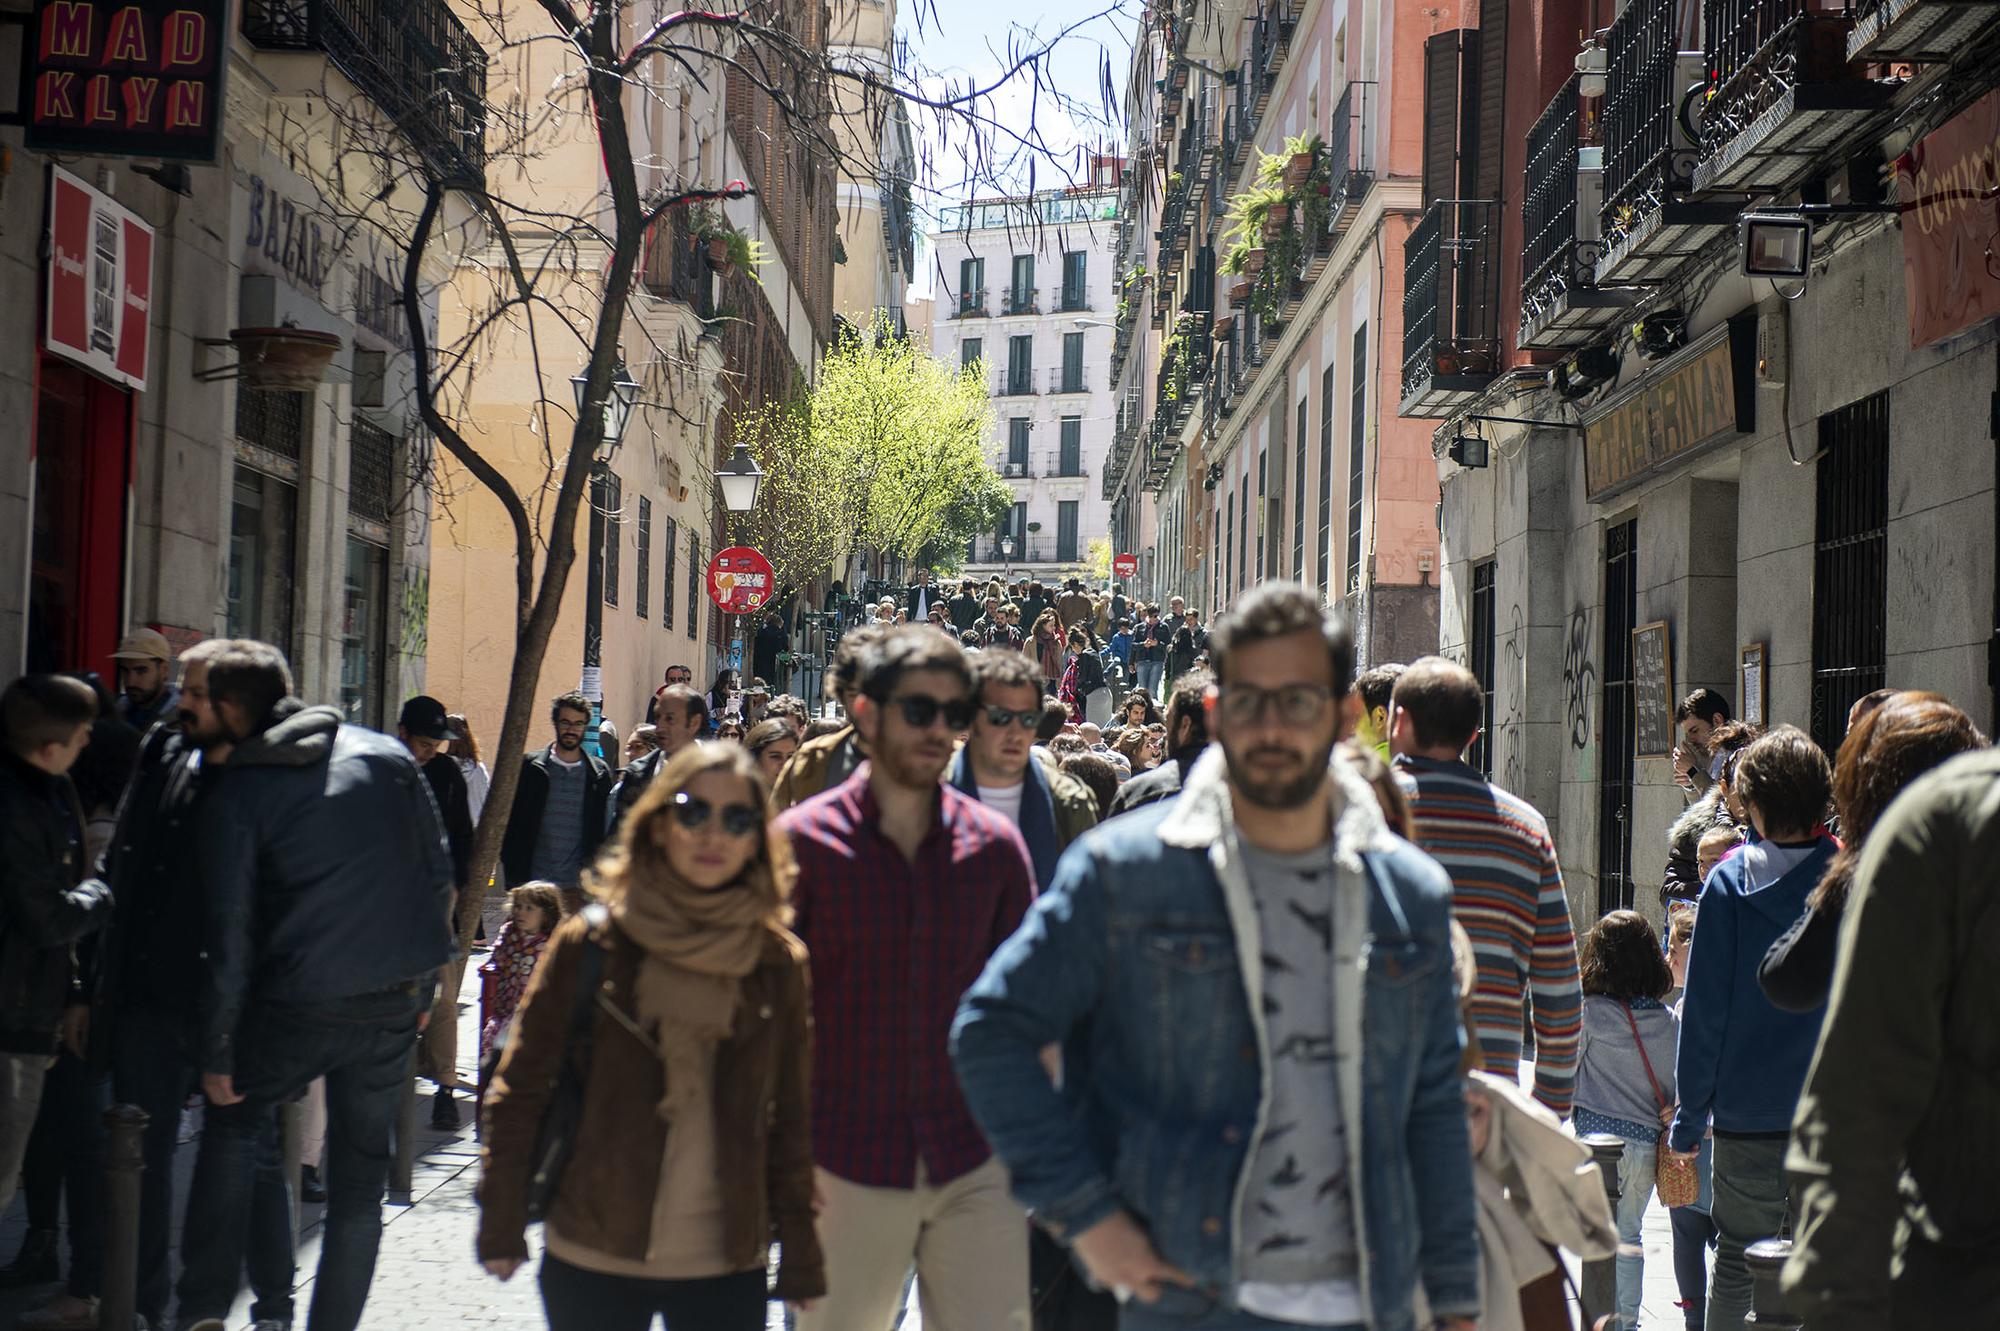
[
  {"x": 1000, "y": 716},
  {"x": 738, "y": 820},
  {"x": 921, "y": 710}
]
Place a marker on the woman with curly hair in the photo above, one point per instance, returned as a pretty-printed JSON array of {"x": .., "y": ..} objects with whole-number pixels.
[{"x": 699, "y": 1025}]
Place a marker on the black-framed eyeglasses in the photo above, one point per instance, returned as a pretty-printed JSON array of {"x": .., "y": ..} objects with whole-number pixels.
[
  {"x": 921, "y": 710},
  {"x": 738, "y": 820},
  {"x": 1298, "y": 704},
  {"x": 1000, "y": 716}
]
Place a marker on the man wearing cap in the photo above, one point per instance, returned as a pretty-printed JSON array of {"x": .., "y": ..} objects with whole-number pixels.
[
  {"x": 424, "y": 733},
  {"x": 146, "y": 691}
]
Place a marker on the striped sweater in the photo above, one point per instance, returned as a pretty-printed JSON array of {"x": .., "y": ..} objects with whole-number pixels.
[{"x": 1507, "y": 891}]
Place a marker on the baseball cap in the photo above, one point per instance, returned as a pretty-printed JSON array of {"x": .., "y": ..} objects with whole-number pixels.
[
  {"x": 144, "y": 645},
  {"x": 424, "y": 716}
]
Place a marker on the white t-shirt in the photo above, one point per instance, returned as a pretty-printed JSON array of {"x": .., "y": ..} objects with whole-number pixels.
[{"x": 1004, "y": 800}]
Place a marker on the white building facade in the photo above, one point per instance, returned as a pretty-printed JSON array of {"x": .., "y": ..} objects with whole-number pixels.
[{"x": 1026, "y": 289}]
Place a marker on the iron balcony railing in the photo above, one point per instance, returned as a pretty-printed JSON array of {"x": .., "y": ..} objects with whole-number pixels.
[
  {"x": 677, "y": 264},
  {"x": 1349, "y": 159},
  {"x": 1062, "y": 381},
  {"x": 1451, "y": 294},
  {"x": 1645, "y": 48},
  {"x": 1020, "y": 300},
  {"x": 412, "y": 58},
  {"x": 971, "y": 304},
  {"x": 1755, "y": 52},
  {"x": 1015, "y": 383},
  {"x": 1549, "y": 226}
]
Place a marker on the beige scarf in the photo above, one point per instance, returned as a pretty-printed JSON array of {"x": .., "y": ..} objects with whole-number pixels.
[{"x": 699, "y": 946}]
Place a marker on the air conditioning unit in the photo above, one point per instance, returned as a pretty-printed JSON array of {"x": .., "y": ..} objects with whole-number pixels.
[
  {"x": 1690, "y": 94},
  {"x": 1589, "y": 207}
]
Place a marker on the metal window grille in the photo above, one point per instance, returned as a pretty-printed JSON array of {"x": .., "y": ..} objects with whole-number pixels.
[
  {"x": 371, "y": 470},
  {"x": 607, "y": 494},
  {"x": 1481, "y": 644},
  {"x": 694, "y": 584},
  {"x": 1549, "y": 210},
  {"x": 1850, "y": 563},
  {"x": 1357, "y": 456},
  {"x": 275, "y": 422},
  {"x": 1263, "y": 488},
  {"x": 1324, "y": 551},
  {"x": 670, "y": 548},
  {"x": 1299, "y": 569},
  {"x": 1614, "y": 788},
  {"x": 643, "y": 584}
]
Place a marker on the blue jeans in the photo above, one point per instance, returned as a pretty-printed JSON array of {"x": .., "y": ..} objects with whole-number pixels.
[
  {"x": 1635, "y": 1191},
  {"x": 1749, "y": 1205},
  {"x": 362, "y": 1046},
  {"x": 152, "y": 1067},
  {"x": 1149, "y": 676}
]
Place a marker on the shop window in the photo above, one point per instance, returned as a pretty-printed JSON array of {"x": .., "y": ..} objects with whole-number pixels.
[
  {"x": 364, "y": 634},
  {"x": 263, "y": 553},
  {"x": 1616, "y": 720},
  {"x": 1850, "y": 564}
]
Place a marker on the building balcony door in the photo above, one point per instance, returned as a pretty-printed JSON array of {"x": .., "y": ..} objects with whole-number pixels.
[{"x": 82, "y": 474}]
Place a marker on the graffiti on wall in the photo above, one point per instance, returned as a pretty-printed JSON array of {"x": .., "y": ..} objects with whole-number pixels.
[
  {"x": 1579, "y": 679},
  {"x": 1512, "y": 738},
  {"x": 414, "y": 626}
]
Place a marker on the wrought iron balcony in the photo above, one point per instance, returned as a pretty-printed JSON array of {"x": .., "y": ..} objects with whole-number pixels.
[
  {"x": 971, "y": 305},
  {"x": 1451, "y": 306},
  {"x": 1062, "y": 381},
  {"x": 1561, "y": 304},
  {"x": 1782, "y": 92},
  {"x": 1020, "y": 300},
  {"x": 415, "y": 60},
  {"x": 1652, "y": 99},
  {"x": 1350, "y": 155},
  {"x": 1015, "y": 382},
  {"x": 677, "y": 265},
  {"x": 1918, "y": 30}
]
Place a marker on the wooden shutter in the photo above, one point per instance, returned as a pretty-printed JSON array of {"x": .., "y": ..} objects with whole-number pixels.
[
  {"x": 1441, "y": 89},
  {"x": 1489, "y": 105}
]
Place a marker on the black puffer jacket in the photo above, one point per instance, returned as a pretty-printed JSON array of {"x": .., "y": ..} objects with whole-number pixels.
[
  {"x": 326, "y": 868},
  {"x": 46, "y": 904}
]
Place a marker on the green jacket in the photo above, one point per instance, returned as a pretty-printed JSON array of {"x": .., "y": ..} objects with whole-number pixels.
[{"x": 1908, "y": 1065}]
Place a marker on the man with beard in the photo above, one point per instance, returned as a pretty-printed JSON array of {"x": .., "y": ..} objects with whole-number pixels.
[
  {"x": 904, "y": 888},
  {"x": 1232, "y": 1143},
  {"x": 559, "y": 814},
  {"x": 152, "y": 988},
  {"x": 146, "y": 692}
]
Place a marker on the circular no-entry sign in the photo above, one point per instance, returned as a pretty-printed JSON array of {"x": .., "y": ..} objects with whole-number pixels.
[
  {"x": 739, "y": 580},
  {"x": 1125, "y": 566}
]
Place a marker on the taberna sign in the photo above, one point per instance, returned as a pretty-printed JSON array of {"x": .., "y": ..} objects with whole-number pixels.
[
  {"x": 126, "y": 78},
  {"x": 100, "y": 278}
]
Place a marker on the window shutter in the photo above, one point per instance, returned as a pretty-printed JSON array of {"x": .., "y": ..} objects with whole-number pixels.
[
  {"x": 1491, "y": 100},
  {"x": 1441, "y": 87}
]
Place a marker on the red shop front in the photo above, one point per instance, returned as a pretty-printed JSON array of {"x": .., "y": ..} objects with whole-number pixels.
[{"x": 97, "y": 316}]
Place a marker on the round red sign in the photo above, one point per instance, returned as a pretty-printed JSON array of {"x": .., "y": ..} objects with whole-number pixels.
[
  {"x": 739, "y": 580},
  {"x": 1125, "y": 566}
]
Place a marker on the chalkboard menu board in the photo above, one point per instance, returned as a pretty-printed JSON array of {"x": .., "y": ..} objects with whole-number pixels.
[{"x": 1652, "y": 691}]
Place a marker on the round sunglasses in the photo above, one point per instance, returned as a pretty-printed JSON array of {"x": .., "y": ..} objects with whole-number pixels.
[{"x": 693, "y": 813}]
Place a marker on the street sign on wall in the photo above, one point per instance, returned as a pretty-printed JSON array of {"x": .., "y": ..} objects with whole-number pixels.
[
  {"x": 1125, "y": 566},
  {"x": 739, "y": 580},
  {"x": 100, "y": 282}
]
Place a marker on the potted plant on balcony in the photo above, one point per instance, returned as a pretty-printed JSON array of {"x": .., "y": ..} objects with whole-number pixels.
[
  {"x": 1223, "y": 327},
  {"x": 1301, "y": 152}
]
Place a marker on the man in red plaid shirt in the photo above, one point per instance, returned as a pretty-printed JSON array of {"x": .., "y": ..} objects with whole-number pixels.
[{"x": 905, "y": 887}]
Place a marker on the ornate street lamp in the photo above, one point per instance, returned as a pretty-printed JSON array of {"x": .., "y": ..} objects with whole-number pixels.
[
  {"x": 617, "y": 407},
  {"x": 739, "y": 478}
]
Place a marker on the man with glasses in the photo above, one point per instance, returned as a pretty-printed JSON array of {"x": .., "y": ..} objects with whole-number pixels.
[
  {"x": 904, "y": 888},
  {"x": 1232, "y": 1144},
  {"x": 1508, "y": 887},
  {"x": 559, "y": 808},
  {"x": 997, "y": 767}
]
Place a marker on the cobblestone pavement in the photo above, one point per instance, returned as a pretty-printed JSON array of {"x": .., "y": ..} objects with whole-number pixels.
[{"x": 426, "y": 1277}]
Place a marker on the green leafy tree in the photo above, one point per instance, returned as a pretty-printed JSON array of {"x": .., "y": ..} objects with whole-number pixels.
[{"x": 810, "y": 501}]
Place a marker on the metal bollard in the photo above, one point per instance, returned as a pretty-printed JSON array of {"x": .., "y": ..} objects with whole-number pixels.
[
  {"x": 124, "y": 1162},
  {"x": 291, "y": 1150},
  {"x": 1766, "y": 1259},
  {"x": 403, "y": 1167},
  {"x": 1599, "y": 1290}
]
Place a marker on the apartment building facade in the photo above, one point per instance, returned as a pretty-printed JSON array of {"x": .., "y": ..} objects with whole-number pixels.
[{"x": 1028, "y": 294}]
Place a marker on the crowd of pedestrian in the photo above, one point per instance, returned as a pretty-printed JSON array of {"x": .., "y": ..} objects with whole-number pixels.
[{"x": 1159, "y": 978}]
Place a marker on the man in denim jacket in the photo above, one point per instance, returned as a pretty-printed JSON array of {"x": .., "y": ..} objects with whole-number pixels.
[{"x": 1260, "y": 1121}]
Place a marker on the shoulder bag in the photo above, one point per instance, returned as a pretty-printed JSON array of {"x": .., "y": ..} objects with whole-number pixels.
[
  {"x": 1674, "y": 1177},
  {"x": 555, "y": 1135}
]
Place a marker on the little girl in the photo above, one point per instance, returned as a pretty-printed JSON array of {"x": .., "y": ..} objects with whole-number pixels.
[
  {"x": 1625, "y": 1072},
  {"x": 533, "y": 911}
]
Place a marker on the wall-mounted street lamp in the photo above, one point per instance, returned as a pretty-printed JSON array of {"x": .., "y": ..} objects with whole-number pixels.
[
  {"x": 739, "y": 478},
  {"x": 617, "y": 406}
]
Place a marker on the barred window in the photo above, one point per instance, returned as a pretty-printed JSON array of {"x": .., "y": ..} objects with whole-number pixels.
[
  {"x": 371, "y": 468},
  {"x": 671, "y": 547},
  {"x": 272, "y": 421}
]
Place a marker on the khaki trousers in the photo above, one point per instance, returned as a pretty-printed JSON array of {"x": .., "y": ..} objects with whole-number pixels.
[{"x": 967, "y": 1239}]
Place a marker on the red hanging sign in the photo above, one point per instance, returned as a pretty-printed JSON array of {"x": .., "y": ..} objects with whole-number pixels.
[
  {"x": 100, "y": 282},
  {"x": 740, "y": 580},
  {"x": 1125, "y": 566},
  {"x": 1949, "y": 183}
]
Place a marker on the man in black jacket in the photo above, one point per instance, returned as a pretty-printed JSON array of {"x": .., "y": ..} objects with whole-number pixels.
[
  {"x": 424, "y": 733},
  {"x": 963, "y": 608},
  {"x": 1187, "y": 736},
  {"x": 46, "y": 902},
  {"x": 559, "y": 812},
  {"x": 150, "y": 985},
  {"x": 329, "y": 885},
  {"x": 683, "y": 716}
]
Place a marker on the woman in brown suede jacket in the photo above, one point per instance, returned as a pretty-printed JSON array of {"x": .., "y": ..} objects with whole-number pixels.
[{"x": 694, "y": 1151}]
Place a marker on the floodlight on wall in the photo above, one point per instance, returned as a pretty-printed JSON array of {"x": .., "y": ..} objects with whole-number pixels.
[
  {"x": 1469, "y": 450},
  {"x": 1586, "y": 370},
  {"x": 1775, "y": 245},
  {"x": 1660, "y": 334}
]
